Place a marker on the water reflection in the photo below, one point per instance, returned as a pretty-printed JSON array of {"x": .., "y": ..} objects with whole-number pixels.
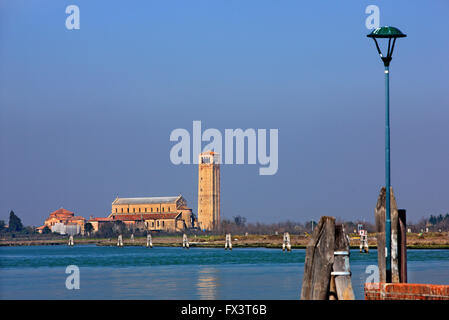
[{"x": 207, "y": 283}]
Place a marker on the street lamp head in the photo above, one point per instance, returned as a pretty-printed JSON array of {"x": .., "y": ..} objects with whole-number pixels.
[{"x": 386, "y": 33}]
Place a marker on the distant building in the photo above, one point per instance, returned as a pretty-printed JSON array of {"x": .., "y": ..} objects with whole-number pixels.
[
  {"x": 63, "y": 220},
  {"x": 209, "y": 191},
  {"x": 70, "y": 229},
  {"x": 150, "y": 213}
]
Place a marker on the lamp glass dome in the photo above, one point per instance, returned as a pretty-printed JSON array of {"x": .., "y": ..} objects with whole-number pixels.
[{"x": 386, "y": 32}]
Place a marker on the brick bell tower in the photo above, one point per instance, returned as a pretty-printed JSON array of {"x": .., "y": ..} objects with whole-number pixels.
[{"x": 209, "y": 191}]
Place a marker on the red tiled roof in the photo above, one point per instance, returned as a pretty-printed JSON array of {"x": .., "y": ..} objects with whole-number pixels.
[
  {"x": 77, "y": 218},
  {"x": 100, "y": 219},
  {"x": 61, "y": 212}
]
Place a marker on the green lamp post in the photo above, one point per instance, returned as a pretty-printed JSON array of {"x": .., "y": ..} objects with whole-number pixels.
[{"x": 390, "y": 34}]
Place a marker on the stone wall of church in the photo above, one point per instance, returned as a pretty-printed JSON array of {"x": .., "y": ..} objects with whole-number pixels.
[{"x": 143, "y": 208}]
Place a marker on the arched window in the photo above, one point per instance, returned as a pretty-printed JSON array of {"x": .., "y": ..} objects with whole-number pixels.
[
  {"x": 122, "y": 210},
  {"x": 162, "y": 209},
  {"x": 127, "y": 209}
]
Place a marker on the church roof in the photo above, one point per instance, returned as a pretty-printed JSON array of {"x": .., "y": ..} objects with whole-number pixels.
[
  {"x": 62, "y": 212},
  {"x": 146, "y": 200}
]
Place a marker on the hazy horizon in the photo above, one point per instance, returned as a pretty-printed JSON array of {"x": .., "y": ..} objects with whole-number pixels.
[{"x": 86, "y": 115}]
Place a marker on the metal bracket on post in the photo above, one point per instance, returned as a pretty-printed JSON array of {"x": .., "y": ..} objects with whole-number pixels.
[{"x": 345, "y": 272}]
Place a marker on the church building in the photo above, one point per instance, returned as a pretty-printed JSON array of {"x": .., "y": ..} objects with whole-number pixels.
[
  {"x": 150, "y": 213},
  {"x": 61, "y": 220}
]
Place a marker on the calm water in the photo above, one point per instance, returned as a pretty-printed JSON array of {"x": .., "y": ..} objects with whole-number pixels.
[{"x": 38, "y": 272}]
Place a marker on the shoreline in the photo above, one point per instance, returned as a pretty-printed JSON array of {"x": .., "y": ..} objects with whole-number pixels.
[
  {"x": 430, "y": 241},
  {"x": 174, "y": 245}
]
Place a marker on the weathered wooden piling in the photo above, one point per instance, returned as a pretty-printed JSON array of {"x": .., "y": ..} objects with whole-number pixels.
[
  {"x": 396, "y": 251},
  {"x": 402, "y": 244},
  {"x": 228, "y": 242},
  {"x": 120, "y": 241},
  {"x": 340, "y": 269},
  {"x": 326, "y": 269},
  {"x": 286, "y": 242},
  {"x": 149, "y": 241},
  {"x": 132, "y": 237},
  {"x": 319, "y": 260},
  {"x": 71, "y": 242},
  {"x": 185, "y": 242}
]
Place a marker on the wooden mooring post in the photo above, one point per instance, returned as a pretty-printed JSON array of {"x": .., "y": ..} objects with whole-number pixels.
[
  {"x": 402, "y": 244},
  {"x": 364, "y": 241},
  {"x": 341, "y": 271},
  {"x": 228, "y": 242},
  {"x": 149, "y": 241},
  {"x": 286, "y": 242},
  {"x": 326, "y": 269},
  {"x": 185, "y": 242},
  {"x": 71, "y": 242},
  {"x": 132, "y": 237},
  {"x": 120, "y": 241},
  {"x": 398, "y": 240}
]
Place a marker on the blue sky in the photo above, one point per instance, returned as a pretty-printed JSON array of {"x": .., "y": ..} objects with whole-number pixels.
[{"x": 86, "y": 115}]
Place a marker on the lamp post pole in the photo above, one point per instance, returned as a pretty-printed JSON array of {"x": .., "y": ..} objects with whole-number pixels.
[
  {"x": 387, "y": 176},
  {"x": 390, "y": 34}
]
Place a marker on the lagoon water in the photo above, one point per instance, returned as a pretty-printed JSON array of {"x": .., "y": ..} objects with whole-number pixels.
[{"x": 38, "y": 272}]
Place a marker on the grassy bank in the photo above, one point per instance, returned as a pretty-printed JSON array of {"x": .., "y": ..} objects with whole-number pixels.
[{"x": 414, "y": 241}]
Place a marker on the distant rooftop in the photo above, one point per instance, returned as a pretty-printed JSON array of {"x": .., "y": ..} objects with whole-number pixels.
[
  {"x": 61, "y": 212},
  {"x": 146, "y": 200}
]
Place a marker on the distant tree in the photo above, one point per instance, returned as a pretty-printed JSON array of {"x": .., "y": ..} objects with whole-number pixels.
[
  {"x": 438, "y": 222},
  {"x": 46, "y": 230},
  {"x": 239, "y": 221},
  {"x": 106, "y": 230},
  {"x": 112, "y": 229},
  {"x": 15, "y": 224},
  {"x": 310, "y": 226},
  {"x": 88, "y": 228},
  {"x": 120, "y": 227},
  {"x": 2, "y": 225},
  {"x": 28, "y": 230}
]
